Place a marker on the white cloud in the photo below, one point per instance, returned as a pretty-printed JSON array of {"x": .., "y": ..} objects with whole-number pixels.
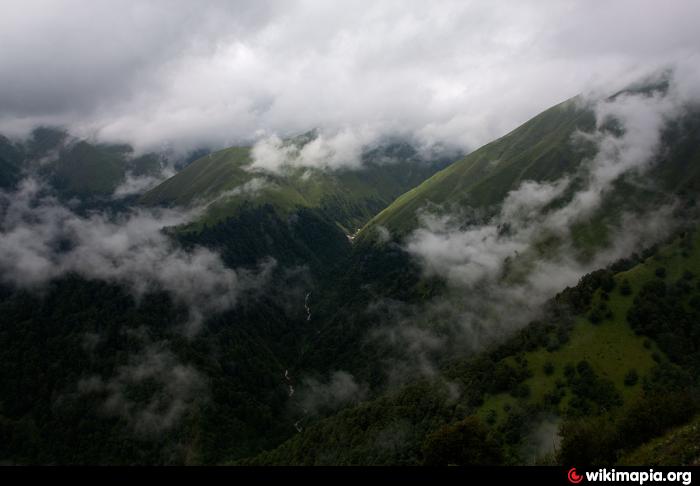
[
  {"x": 340, "y": 149},
  {"x": 134, "y": 184},
  {"x": 173, "y": 389},
  {"x": 340, "y": 389}
]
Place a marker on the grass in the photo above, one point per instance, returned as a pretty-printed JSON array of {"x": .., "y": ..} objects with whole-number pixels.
[
  {"x": 537, "y": 150},
  {"x": 90, "y": 169},
  {"x": 611, "y": 347},
  {"x": 678, "y": 447}
]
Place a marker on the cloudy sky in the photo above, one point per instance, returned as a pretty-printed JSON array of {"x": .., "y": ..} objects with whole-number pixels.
[{"x": 215, "y": 73}]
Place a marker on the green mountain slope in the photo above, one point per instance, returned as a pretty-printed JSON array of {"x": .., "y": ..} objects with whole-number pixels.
[
  {"x": 348, "y": 197},
  {"x": 299, "y": 216},
  {"x": 75, "y": 168},
  {"x": 537, "y": 150},
  {"x": 544, "y": 150},
  {"x": 86, "y": 169}
]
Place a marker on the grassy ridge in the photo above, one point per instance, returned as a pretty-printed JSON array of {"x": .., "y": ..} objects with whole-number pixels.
[
  {"x": 543, "y": 149},
  {"x": 224, "y": 182},
  {"x": 540, "y": 149}
]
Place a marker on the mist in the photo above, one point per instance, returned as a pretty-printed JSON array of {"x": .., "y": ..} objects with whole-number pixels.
[
  {"x": 43, "y": 239},
  {"x": 178, "y": 387}
]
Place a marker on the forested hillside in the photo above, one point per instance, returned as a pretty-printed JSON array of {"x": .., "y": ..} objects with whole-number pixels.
[{"x": 611, "y": 364}]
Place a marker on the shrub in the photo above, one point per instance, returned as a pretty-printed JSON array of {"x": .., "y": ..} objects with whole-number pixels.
[
  {"x": 631, "y": 378},
  {"x": 625, "y": 288},
  {"x": 548, "y": 368},
  {"x": 466, "y": 443}
]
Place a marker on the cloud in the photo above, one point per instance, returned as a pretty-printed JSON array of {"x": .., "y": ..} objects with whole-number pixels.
[
  {"x": 340, "y": 389},
  {"x": 249, "y": 188},
  {"x": 41, "y": 239},
  {"x": 172, "y": 390},
  {"x": 139, "y": 184},
  {"x": 340, "y": 149},
  {"x": 220, "y": 73},
  {"x": 542, "y": 439}
]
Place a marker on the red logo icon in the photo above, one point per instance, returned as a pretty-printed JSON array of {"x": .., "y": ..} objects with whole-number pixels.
[{"x": 574, "y": 478}]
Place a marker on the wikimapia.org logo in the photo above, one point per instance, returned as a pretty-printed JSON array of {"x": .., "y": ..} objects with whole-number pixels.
[
  {"x": 574, "y": 477},
  {"x": 639, "y": 477}
]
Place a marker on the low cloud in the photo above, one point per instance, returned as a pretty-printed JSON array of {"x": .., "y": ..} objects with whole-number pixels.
[
  {"x": 249, "y": 189},
  {"x": 339, "y": 390},
  {"x": 341, "y": 149},
  {"x": 135, "y": 184},
  {"x": 172, "y": 388},
  {"x": 542, "y": 441},
  {"x": 41, "y": 239}
]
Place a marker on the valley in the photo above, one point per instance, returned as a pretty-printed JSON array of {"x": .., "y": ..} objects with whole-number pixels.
[{"x": 530, "y": 302}]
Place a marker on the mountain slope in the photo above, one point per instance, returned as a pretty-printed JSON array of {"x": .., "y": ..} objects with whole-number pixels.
[
  {"x": 382, "y": 277},
  {"x": 680, "y": 446},
  {"x": 349, "y": 197},
  {"x": 569, "y": 364},
  {"x": 546, "y": 149},
  {"x": 472, "y": 191},
  {"x": 11, "y": 155},
  {"x": 73, "y": 167},
  {"x": 537, "y": 150},
  {"x": 54, "y": 344}
]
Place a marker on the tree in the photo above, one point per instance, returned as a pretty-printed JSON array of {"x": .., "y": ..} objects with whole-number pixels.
[
  {"x": 548, "y": 368},
  {"x": 625, "y": 288},
  {"x": 465, "y": 443},
  {"x": 587, "y": 441},
  {"x": 631, "y": 378}
]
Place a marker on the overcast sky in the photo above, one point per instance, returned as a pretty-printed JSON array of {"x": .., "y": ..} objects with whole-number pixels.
[{"x": 218, "y": 73}]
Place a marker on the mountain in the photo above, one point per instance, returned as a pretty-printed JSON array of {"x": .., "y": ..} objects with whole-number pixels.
[
  {"x": 559, "y": 145},
  {"x": 225, "y": 181},
  {"x": 73, "y": 167},
  {"x": 537, "y": 150},
  {"x": 546, "y": 149},
  {"x": 82, "y": 329},
  {"x": 298, "y": 215},
  {"x": 365, "y": 350},
  {"x": 588, "y": 360}
]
